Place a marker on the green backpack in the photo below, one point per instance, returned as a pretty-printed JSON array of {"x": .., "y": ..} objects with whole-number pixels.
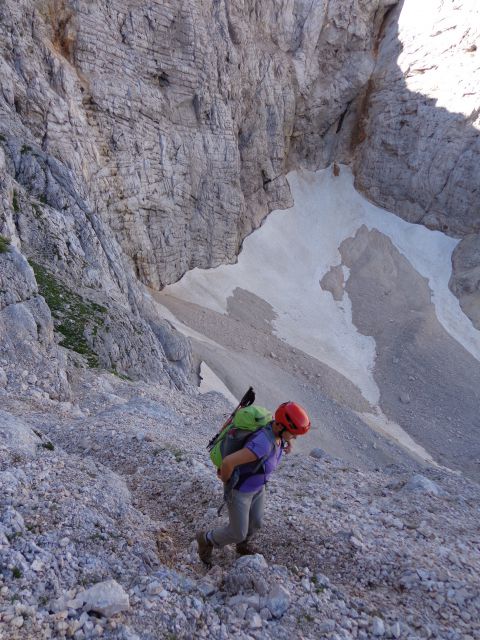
[{"x": 234, "y": 435}]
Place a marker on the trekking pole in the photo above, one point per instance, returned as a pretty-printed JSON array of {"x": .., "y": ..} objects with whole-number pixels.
[{"x": 246, "y": 401}]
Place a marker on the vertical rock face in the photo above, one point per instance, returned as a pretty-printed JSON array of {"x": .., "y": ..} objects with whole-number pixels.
[
  {"x": 418, "y": 135},
  {"x": 177, "y": 119},
  {"x": 465, "y": 280},
  {"x": 26, "y": 331},
  {"x": 140, "y": 140},
  {"x": 419, "y": 131}
]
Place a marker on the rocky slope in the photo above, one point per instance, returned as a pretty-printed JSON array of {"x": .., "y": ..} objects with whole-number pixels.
[
  {"x": 138, "y": 140},
  {"x": 100, "y": 504}
]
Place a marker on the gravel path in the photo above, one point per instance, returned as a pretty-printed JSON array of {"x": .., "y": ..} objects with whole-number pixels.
[{"x": 109, "y": 493}]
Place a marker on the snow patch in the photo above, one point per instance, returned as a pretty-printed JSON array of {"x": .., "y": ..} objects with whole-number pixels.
[
  {"x": 285, "y": 259},
  {"x": 211, "y": 382}
]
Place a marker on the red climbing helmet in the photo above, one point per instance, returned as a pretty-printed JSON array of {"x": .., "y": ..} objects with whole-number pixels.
[{"x": 293, "y": 418}]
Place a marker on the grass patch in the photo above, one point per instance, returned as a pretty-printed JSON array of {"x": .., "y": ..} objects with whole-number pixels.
[
  {"x": 17, "y": 573},
  {"x": 15, "y": 205},
  {"x": 72, "y": 314},
  {"x": 4, "y": 244},
  {"x": 37, "y": 210},
  {"x": 122, "y": 376},
  {"x": 178, "y": 454},
  {"x": 48, "y": 445}
]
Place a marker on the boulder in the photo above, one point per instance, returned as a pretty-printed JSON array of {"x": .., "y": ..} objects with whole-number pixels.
[
  {"x": 106, "y": 598},
  {"x": 278, "y": 601},
  {"x": 423, "y": 485}
]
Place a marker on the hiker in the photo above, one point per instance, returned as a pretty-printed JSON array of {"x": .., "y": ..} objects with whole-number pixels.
[{"x": 246, "y": 499}]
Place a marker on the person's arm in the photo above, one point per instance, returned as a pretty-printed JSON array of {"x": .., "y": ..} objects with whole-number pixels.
[{"x": 233, "y": 460}]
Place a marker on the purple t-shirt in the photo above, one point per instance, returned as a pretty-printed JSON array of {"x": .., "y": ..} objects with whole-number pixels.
[{"x": 261, "y": 445}]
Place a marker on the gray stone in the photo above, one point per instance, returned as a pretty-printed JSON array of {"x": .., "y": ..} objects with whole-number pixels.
[
  {"x": 327, "y": 626},
  {"x": 278, "y": 601},
  {"x": 254, "y": 620},
  {"x": 423, "y": 485},
  {"x": 317, "y": 453},
  {"x": 256, "y": 562},
  {"x": 16, "y": 435},
  {"x": 465, "y": 279},
  {"x": 106, "y": 598},
  {"x": 333, "y": 281},
  {"x": 378, "y": 627},
  {"x": 206, "y": 588},
  {"x": 321, "y": 580}
]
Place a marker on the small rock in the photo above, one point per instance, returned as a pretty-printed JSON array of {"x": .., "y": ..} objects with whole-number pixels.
[
  {"x": 405, "y": 398},
  {"x": 37, "y": 566},
  {"x": 206, "y": 588},
  {"x": 395, "y": 630},
  {"x": 378, "y": 627},
  {"x": 278, "y": 601},
  {"x": 253, "y": 619},
  {"x": 317, "y": 453},
  {"x": 424, "y": 485},
  {"x": 154, "y": 588},
  {"x": 355, "y": 542},
  {"x": 106, "y": 598},
  {"x": 327, "y": 627},
  {"x": 255, "y": 561},
  {"x": 17, "y": 622},
  {"x": 306, "y": 584},
  {"x": 322, "y": 580}
]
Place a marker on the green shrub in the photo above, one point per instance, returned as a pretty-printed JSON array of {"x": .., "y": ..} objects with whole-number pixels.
[
  {"x": 15, "y": 205},
  {"x": 72, "y": 314},
  {"x": 4, "y": 244},
  {"x": 17, "y": 572}
]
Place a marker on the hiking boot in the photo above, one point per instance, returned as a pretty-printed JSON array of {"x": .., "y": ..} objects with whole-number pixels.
[
  {"x": 205, "y": 547},
  {"x": 245, "y": 548}
]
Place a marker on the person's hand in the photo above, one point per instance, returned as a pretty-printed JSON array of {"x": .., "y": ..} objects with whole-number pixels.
[
  {"x": 232, "y": 461},
  {"x": 225, "y": 472},
  {"x": 288, "y": 447}
]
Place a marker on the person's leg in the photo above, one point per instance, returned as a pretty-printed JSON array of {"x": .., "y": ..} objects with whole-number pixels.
[
  {"x": 257, "y": 508},
  {"x": 237, "y": 528}
]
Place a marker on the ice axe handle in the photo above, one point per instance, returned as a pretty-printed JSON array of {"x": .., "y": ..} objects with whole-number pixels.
[{"x": 246, "y": 401}]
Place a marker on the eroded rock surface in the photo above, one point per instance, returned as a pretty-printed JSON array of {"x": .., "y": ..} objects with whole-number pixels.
[
  {"x": 418, "y": 135},
  {"x": 30, "y": 360},
  {"x": 465, "y": 280}
]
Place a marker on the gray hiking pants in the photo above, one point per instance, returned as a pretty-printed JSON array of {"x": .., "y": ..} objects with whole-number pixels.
[{"x": 245, "y": 511}]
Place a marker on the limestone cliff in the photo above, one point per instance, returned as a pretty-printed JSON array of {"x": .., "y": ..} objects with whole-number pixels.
[
  {"x": 143, "y": 139},
  {"x": 418, "y": 137}
]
